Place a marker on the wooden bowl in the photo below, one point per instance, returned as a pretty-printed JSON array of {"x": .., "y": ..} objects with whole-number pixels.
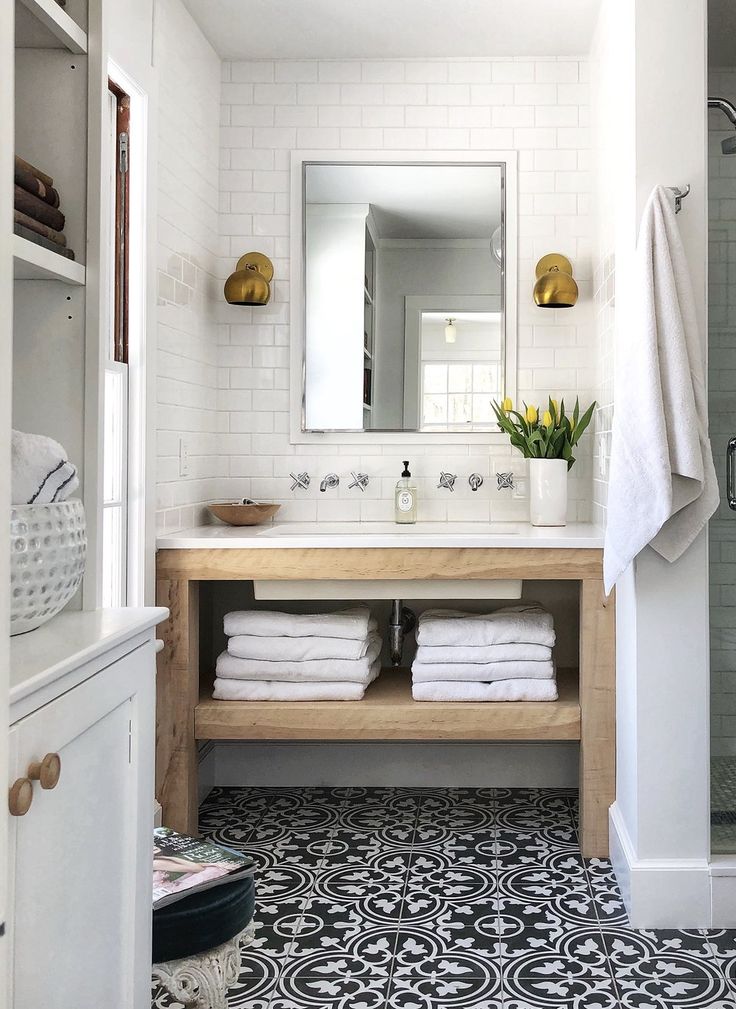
[{"x": 236, "y": 513}]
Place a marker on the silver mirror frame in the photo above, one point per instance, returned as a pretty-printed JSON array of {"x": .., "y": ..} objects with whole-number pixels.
[{"x": 507, "y": 160}]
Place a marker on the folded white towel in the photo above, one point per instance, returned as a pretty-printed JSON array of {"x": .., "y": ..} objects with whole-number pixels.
[
  {"x": 278, "y": 690},
  {"x": 508, "y": 690},
  {"x": 355, "y": 623},
  {"x": 251, "y": 646},
  {"x": 307, "y": 671},
  {"x": 489, "y": 672},
  {"x": 663, "y": 486},
  {"x": 41, "y": 472},
  {"x": 483, "y": 653},
  {"x": 527, "y": 623}
]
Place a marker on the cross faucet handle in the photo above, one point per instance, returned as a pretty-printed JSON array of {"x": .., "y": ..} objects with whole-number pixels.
[
  {"x": 300, "y": 480},
  {"x": 447, "y": 480},
  {"x": 360, "y": 480}
]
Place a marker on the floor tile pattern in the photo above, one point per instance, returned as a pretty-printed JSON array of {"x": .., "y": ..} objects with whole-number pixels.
[{"x": 399, "y": 898}]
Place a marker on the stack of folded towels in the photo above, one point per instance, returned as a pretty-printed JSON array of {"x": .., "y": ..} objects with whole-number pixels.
[
  {"x": 501, "y": 656},
  {"x": 298, "y": 657}
]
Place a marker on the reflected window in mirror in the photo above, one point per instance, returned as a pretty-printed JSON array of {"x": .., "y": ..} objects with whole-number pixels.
[{"x": 404, "y": 314}]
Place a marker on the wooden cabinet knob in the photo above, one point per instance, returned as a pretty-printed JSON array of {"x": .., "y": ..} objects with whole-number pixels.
[
  {"x": 47, "y": 771},
  {"x": 20, "y": 797}
]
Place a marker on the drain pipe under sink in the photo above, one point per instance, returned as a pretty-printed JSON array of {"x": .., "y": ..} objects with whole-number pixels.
[{"x": 403, "y": 621}]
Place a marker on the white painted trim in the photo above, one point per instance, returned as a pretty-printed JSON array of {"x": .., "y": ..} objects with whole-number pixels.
[
  {"x": 510, "y": 275},
  {"x": 659, "y": 892},
  {"x": 56, "y": 20},
  {"x": 137, "y": 324}
]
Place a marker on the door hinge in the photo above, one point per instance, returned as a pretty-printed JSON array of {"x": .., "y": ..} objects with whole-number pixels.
[
  {"x": 123, "y": 151},
  {"x": 130, "y": 741}
]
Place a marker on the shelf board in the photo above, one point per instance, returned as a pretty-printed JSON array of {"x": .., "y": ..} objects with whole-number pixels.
[
  {"x": 43, "y": 24},
  {"x": 32, "y": 262},
  {"x": 388, "y": 712}
]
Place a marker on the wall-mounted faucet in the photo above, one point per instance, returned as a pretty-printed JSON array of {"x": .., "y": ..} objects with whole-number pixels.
[
  {"x": 301, "y": 480},
  {"x": 447, "y": 480},
  {"x": 359, "y": 480},
  {"x": 475, "y": 480},
  {"x": 332, "y": 480}
]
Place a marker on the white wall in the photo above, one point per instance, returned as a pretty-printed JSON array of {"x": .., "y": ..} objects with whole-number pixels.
[
  {"x": 661, "y": 815},
  {"x": 540, "y": 108},
  {"x": 187, "y": 264}
]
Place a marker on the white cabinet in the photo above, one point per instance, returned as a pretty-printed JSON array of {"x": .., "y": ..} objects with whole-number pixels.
[{"x": 80, "y": 858}]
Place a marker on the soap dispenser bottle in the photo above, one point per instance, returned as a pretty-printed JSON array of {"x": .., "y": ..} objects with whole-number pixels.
[{"x": 405, "y": 500}]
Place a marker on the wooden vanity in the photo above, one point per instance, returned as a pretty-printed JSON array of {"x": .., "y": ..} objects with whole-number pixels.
[{"x": 187, "y": 713}]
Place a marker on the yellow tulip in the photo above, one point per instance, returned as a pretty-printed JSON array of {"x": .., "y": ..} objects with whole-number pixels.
[
  {"x": 531, "y": 414},
  {"x": 556, "y": 408},
  {"x": 547, "y": 419},
  {"x": 507, "y": 405}
]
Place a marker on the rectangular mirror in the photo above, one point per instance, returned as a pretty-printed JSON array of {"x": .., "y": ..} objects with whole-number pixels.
[{"x": 405, "y": 312}]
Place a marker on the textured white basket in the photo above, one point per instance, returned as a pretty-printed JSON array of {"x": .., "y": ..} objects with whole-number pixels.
[{"x": 48, "y": 546}]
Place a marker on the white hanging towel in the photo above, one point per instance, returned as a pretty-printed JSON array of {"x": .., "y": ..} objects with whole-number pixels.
[{"x": 663, "y": 486}]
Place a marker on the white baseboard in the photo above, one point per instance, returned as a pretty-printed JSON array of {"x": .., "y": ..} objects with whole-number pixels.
[
  {"x": 659, "y": 893},
  {"x": 428, "y": 765}
]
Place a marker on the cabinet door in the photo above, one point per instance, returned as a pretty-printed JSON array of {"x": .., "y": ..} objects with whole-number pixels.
[{"x": 80, "y": 886}]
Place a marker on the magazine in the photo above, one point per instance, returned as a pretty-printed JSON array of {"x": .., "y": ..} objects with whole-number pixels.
[{"x": 185, "y": 865}]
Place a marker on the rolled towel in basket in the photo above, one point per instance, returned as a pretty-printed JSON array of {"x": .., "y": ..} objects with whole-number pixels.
[
  {"x": 525, "y": 623},
  {"x": 251, "y": 646},
  {"x": 488, "y": 672},
  {"x": 278, "y": 690},
  {"x": 506, "y": 690},
  {"x": 355, "y": 623},
  {"x": 482, "y": 654},
  {"x": 309, "y": 671},
  {"x": 41, "y": 472}
]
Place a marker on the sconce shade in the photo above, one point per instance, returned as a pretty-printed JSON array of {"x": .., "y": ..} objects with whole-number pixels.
[
  {"x": 555, "y": 286},
  {"x": 450, "y": 331},
  {"x": 251, "y": 282}
]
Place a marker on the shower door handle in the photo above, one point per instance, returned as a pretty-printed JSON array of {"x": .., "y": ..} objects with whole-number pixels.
[{"x": 731, "y": 474}]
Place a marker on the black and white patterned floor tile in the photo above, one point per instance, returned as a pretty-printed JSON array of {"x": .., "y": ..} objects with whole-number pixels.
[{"x": 401, "y": 898}]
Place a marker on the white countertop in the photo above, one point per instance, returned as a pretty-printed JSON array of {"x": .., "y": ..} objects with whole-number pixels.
[
  {"x": 300, "y": 535},
  {"x": 70, "y": 640}
]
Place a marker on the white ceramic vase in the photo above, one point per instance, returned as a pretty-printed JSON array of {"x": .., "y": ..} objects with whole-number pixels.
[{"x": 548, "y": 492}]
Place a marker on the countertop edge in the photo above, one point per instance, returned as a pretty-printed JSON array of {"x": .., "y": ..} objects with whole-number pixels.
[
  {"x": 225, "y": 538},
  {"x": 88, "y": 635}
]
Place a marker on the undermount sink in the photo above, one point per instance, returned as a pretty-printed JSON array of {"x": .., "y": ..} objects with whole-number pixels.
[{"x": 443, "y": 529}]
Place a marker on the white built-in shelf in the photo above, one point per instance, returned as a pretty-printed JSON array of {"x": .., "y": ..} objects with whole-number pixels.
[
  {"x": 31, "y": 262},
  {"x": 43, "y": 24}
]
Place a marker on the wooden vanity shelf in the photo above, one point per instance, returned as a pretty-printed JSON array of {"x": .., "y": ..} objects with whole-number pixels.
[
  {"x": 388, "y": 713},
  {"x": 187, "y": 713}
]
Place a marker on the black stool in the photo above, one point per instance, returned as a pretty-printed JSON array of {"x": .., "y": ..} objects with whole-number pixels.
[{"x": 197, "y": 943}]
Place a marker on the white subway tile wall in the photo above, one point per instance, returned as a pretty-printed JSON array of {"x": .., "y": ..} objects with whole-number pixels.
[
  {"x": 188, "y": 251},
  {"x": 541, "y": 109},
  {"x": 722, "y": 414}
]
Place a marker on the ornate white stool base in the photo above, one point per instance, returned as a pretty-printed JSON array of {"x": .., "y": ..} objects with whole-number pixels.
[{"x": 202, "y": 981}]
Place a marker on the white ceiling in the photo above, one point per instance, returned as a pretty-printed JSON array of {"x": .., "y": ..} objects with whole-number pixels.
[
  {"x": 722, "y": 33},
  {"x": 415, "y": 201},
  {"x": 381, "y": 29}
]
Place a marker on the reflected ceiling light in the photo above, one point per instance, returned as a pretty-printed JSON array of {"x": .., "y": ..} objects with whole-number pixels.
[
  {"x": 555, "y": 286},
  {"x": 251, "y": 282},
  {"x": 450, "y": 331},
  {"x": 497, "y": 244}
]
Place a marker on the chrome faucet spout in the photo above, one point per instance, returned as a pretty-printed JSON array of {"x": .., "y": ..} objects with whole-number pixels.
[{"x": 332, "y": 480}]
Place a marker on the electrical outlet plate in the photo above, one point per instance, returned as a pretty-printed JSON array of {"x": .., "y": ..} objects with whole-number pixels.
[{"x": 184, "y": 465}]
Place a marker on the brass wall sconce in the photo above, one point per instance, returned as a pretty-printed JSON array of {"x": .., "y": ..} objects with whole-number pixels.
[
  {"x": 555, "y": 286},
  {"x": 251, "y": 282}
]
